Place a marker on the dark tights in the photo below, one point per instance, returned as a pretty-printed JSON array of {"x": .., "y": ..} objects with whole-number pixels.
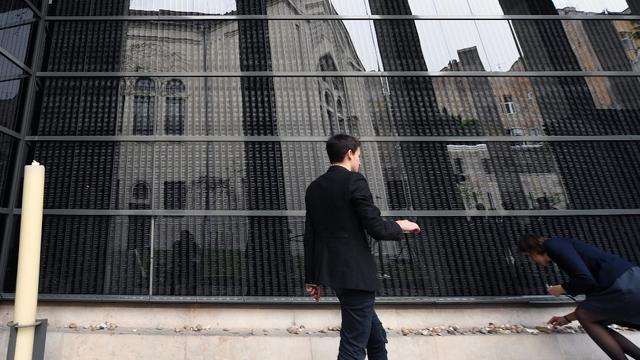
[{"x": 610, "y": 341}]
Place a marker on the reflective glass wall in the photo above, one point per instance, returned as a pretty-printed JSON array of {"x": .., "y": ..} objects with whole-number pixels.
[{"x": 179, "y": 138}]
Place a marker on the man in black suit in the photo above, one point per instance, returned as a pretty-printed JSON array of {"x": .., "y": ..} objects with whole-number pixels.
[{"x": 336, "y": 251}]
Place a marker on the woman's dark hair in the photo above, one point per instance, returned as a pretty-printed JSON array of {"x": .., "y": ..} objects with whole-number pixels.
[
  {"x": 338, "y": 146},
  {"x": 532, "y": 243}
]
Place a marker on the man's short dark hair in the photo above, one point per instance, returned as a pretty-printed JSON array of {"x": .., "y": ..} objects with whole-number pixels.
[
  {"x": 338, "y": 146},
  {"x": 532, "y": 244}
]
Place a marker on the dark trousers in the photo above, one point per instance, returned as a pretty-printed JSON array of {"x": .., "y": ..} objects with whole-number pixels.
[{"x": 362, "y": 332}]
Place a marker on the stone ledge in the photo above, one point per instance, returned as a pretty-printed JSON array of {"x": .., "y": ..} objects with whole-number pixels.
[
  {"x": 67, "y": 344},
  {"x": 417, "y": 317},
  {"x": 225, "y": 332},
  {"x": 301, "y": 331}
]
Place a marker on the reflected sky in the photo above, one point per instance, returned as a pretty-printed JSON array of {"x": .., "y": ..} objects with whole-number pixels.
[
  {"x": 362, "y": 36},
  {"x": 204, "y": 7},
  {"x": 492, "y": 7},
  {"x": 342, "y": 7},
  {"x": 361, "y": 7},
  {"x": 351, "y": 7},
  {"x": 455, "y": 7},
  {"x": 593, "y": 5},
  {"x": 362, "y": 32},
  {"x": 441, "y": 40}
]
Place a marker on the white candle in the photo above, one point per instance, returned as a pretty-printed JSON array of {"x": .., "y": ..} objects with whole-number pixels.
[{"x": 29, "y": 258}]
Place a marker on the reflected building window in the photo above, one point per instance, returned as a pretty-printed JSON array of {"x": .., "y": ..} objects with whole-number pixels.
[
  {"x": 140, "y": 196},
  {"x": 333, "y": 89},
  {"x": 509, "y": 105},
  {"x": 144, "y": 102},
  {"x": 175, "y": 112},
  {"x": 328, "y": 105},
  {"x": 175, "y": 195},
  {"x": 487, "y": 167},
  {"x": 140, "y": 191},
  {"x": 492, "y": 205},
  {"x": 531, "y": 97},
  {"x": 340, "y": 112},
  {"x": 458, "y": 166},
  {"x": 352, "y": 122}
]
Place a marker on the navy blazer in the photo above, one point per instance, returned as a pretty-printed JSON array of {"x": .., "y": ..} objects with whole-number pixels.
[
  {"x": 336, "y": 250},
  {"x": 590, "y": 269}
]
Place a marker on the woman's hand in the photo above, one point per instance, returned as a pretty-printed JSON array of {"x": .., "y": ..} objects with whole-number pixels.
[
  {"x": 556, "y": 290},
  {"x": 558, "y": 321},
  {"x": 313, "y": 291}
]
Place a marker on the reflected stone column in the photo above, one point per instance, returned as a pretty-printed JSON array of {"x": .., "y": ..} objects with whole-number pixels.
[
  {"x": 419, "y": 175},
  {"x": 413, "y": 111},
  {"x": 267, "y": 252},
  {"x": 86, "y": 174}
]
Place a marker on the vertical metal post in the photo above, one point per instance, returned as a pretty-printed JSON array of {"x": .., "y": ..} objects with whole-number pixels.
[
  {"x": 151, "y": 256},
  {"x": 38, "y": 342},
  {"x": 21, "y": 153}
]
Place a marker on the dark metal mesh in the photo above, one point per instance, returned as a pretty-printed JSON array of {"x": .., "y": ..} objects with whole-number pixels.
[
  {"x": 165, "y": 219},
  {"x": 7, "y": 164},
  {"x": 213, "y": 256}
]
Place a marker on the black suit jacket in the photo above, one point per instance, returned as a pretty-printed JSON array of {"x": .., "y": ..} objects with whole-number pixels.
[{"x": 336, "y": 251}]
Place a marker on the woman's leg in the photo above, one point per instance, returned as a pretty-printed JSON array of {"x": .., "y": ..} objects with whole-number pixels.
[
  {"x": 595, "y": 326},
  {"x": 627, "y": 346}
]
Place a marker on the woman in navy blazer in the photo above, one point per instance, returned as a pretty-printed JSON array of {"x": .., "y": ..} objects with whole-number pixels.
[{"x": 610, "y": 283}]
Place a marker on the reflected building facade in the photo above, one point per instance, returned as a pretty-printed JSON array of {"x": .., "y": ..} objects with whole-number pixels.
[
  {"x": 169, "y": 185},
  {"x": 519, "y": 175}
]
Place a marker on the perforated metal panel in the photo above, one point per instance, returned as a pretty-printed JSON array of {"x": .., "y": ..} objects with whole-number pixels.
[{"x": 179, "y": 140}]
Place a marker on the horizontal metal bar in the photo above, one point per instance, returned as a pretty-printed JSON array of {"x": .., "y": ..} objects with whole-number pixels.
[
  {"x": 4, "y": 52},
  {"x": 338, "y": 17},
  {"x": 18, "y": 24},
  {"x": 301, "y": 213},
  {"x": 487, "y": 300},
  {"x": 501, "y": 213},
  {"x": 386, "y": 300},
  {"x": 10, "y": 132},
  {"x": 235, "y": 74},
  {"x": 33, "y": 7},
  {"x": 221, "y": 138},
  {"x": 533, "y": 300},
  {"x": 13, "y": 77},
  {"x": 97, "y": 212},
  {"x": 82, "y": 298},
  {"x": 5, "y": 211}
]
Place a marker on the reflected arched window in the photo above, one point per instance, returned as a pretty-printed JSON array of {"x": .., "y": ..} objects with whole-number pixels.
[
  {"x": 329, "y": 108},
  {"x": 328, "y": 100},
  {"x": 140, "y": 191},
  {"x": 144, "y": 102},
  {"x": 340, "y": 113},
  {"x": 327, "y": 63},
  {"x": 175, "y": 112},
  {"x": 334, "y": 104}
]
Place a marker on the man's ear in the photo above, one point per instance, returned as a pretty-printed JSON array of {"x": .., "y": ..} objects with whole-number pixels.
[{"x": 349, "y": 154}]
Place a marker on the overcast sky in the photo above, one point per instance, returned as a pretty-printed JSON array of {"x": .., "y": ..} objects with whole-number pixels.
[
  {"x": 439, "y": 40},
  {"x": 360, "y": 7}
]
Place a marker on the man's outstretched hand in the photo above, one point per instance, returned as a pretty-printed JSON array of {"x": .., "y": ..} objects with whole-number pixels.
[
  {"x": 408, "y": 226},
  {"x": 313, "y": 291}
]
